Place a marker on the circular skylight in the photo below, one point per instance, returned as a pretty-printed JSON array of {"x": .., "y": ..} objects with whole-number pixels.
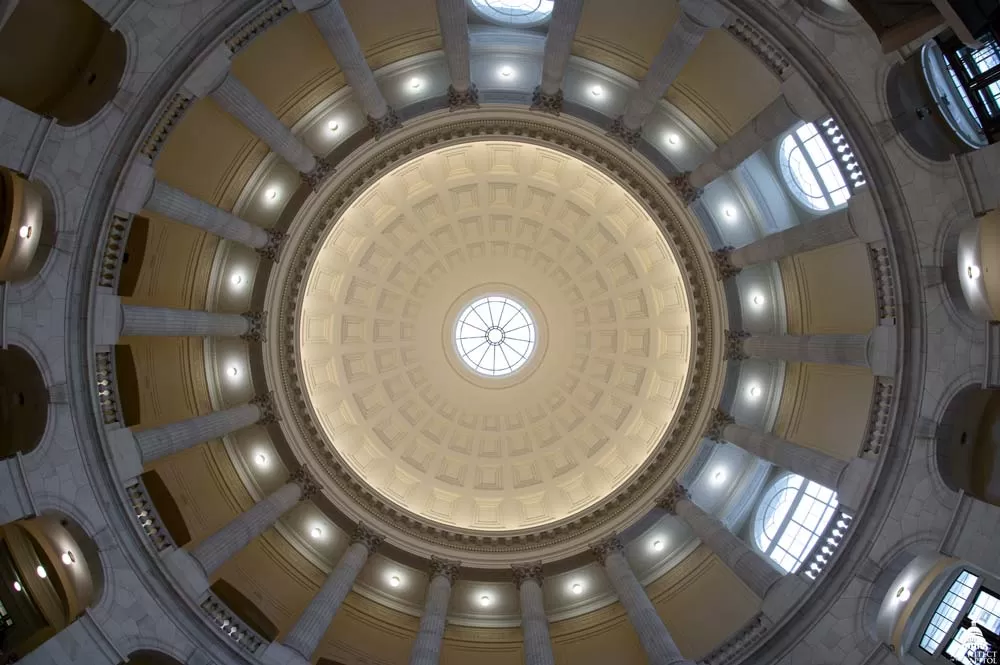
[
  {"x": 514, "y": 13},
  {"x": 495, "y": 336}
]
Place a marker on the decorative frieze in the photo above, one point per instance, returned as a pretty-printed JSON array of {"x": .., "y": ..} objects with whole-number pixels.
[
  {"x": 606, "y": 548},
  {"x": 172, "y": 114},
  {"x": 734, "y": 344},
  {"x": 268, "y": 411},
  {"x": 527, "y": 571},
  {"x": 878, "y": 417},
  {"x": 261, "y": 22},
  {"x": 458, "y": 99},
  {"x": 445, "y": 568},
  {"x": 546, "y": 103},
  {"x": 381, "y": 126},
  {"x": 257, "y": 324},
  {"x": 769, "y": 53},
  {"x": 674, "y": 494},
  {"x": 371, "y": 540},
  {"x": 717, "y": 424},
  {"x": 621, "y": 131}
]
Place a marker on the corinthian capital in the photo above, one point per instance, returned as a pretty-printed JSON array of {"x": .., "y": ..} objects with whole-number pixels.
[
  {"x": 527, "y": 571},
  {"x": 669, "y": 499}
]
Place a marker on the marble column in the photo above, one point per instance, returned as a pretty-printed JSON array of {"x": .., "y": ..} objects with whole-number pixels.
[
  {"x": 797, "y": 102},
  {"x": 656, "y": 640},
  {"x": 427, "y": 647},
  {"x": 454, "y": 20},
  {"x": 548, "y": 96},
  {"x": 752, "y": 568},
  {"x": 228, "y": 541},
  {"x": 849, "y": 350},
  {"x": 339, "y": 36},
  {"x": 169, "y": 322},
  {"x": 697, "y": 17},
  {"x": 859, "y": 219},
  {"x": 304, "y": 637},
  {"x": 165, "y": 440},
  {"x": 534, "y": 622},
  {"x": 848, "y": 477}
]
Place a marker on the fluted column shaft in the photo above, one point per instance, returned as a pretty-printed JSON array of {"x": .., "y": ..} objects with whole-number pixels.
[
  {"x": 336, "y": 30},
  {"x": 748, "y": 565},
  {"x": 454, "y": 20},
  {"x": 558, "y": 43},
  {"x": 656, "y": 640},
  {"x": 239, "y": 102},
  {"x": 806, "y": 462},
  {"x": 534, "y": 622},
  {"x": 823, "y": 232},
  {"x": 175, "y": 204},
  {"x": 315, "y": 620},
  {"x": 241, "y": 530},
  {"x": 166, "y": 440},
  {"x": 697, "y": 17},
  {"x": 827, "y": 349},
  {"x": 427, "y": 647},
  {"x": 170, "y": 322}
]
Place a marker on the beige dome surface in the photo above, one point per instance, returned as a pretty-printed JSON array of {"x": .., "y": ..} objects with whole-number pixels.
[{"x": 378, "y": 355}]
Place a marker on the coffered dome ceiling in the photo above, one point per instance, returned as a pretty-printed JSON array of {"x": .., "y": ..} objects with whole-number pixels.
[{"x": 377, "y": 323}]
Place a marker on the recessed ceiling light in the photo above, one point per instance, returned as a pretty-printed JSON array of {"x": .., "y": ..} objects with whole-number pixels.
[
  {"x": 758, "y": 299},
  {"x": 260, "y": 459},
  {"x": 578, "y": 588},
  {"x": 234, "y": 371},
  {"x": 902, "y": 594},
  {"x": 41, "y": 572},
  {"x": 597, "y": 91},
  {"x": 415, "y": 83},
  {"x": 657, "y": 545},
  {"x": 237, "y": 279},
  {"x": 68, "y": 558},
  {"x": 754, "y": 391},
  {"x": 719, "y": 476},
  {"x": 333, "y": 125},
  {"x": 673, "y": 139},
  {"x": 24, "y": 232},
  {"x": 484, "y": 600},
  {"x": 317, "y": 532},
  {"x": 271, "y": 193},
  {"x": 506, "y": 72},
  {"x": 394, "y": 581},
  {"x": 974, "y": 272},
  {"x": 729, "y": 212},
  {"x": 17, "y": 587}
]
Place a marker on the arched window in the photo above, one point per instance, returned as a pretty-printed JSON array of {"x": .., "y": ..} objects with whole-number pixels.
[
  {"x": 810, "y": 170},
  {"x": 513, "y": 13},
  {"x": 790, "y": 518}
]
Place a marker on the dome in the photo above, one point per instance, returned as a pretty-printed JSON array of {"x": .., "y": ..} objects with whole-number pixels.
[{"x": 389, "y": 282}]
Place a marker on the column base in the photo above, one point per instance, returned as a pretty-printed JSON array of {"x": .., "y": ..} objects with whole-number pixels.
[
  {"x": 547, "y": 103},
  {"x": 187, "y": 572},
  {"x": 458, "y": 99},
  {"x": 782, "y": 596},
  {"x": 624, "y": 133},
  {"x": 277, "y": 653},
  {"x": 315, "y": 178},
  {"x": 685, "y": 191},
  {"x": 272, "y": 248},
  {"x": 385, "y": 124}
]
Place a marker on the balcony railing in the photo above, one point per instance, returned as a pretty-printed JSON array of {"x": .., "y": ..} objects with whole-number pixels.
[
  {"x": 847, "y": 163},
  {"x": 148, "y": 518},
  {"x": 827, "y": 545},
  {"x": 107, "y": 394},
  {"x": 739, "y": 643},
  {"x": 231, "y": 626},
  {"x": 114, "y": 251}
]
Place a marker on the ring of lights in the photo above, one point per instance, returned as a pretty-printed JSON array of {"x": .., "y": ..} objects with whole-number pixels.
[{"x": 631, "y": 499}]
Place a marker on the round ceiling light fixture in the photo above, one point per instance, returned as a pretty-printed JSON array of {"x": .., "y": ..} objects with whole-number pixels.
[
  {"x": 577, "y": 589},
  {"x": 484, "y": 600},
  {"x": 394, "y": 581},
  {"x": 333, "y": 126},
  {"x": 657, "y": 545},
  {"x": 729, "y": 212},
  {"x": 24, "y": 232},
  {"x": 673, "y": 138},
  {"x": 261, "y": 459},
  {"x": 236, "y": 279},
  {"x": 68, "y": 558},
  {"x": 902, "y": 594},
  {"x": 754, "y": 390},
  {"x": 719, "y": 477},
  {"x": 597, "y": 91},
  {"x": 495, "y": 336},
  {"x": 415, "y": 83},
  {"x": 758, "y": 299},
  {"x": 973, "y": 272},
  {"x": 317, "y": 532},
  {"x": 18, "y": 587},
  {"x": 234, "y": 371},
  {"x": 41, "y": 572},
  {"x": 271, "y": 194},
  {"x": 506, "y": 72}
]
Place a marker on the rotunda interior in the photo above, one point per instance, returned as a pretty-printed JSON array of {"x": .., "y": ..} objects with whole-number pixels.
[{"x": 370, "y": 332}]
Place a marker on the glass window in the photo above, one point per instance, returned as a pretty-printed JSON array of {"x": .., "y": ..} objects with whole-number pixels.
[
  {"x": 810, "y": 170},
  {"x": 790, "y": 518},
  {"x": 495, "y": 336},
  {"x": 513, "y": 13},
  {"x": 975, "y": 74},
  {"x": 947, "y": 611}
]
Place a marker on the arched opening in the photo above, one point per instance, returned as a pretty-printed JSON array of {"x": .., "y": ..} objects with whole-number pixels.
[
  {"x": 811, "y": 170},
  {"x": 27, "y": 228},
  {"x": 150, "y": 657},
  {"x": 24, "y": 402},
  {"x": 790, "y": 517},
  {"x": 50, "y": 573},
  {"x": 60, "y": 58},
  {"x": 968, "y": 444}
]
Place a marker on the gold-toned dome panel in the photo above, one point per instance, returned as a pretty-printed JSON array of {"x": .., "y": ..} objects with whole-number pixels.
[{"x": 379, "y": 361}]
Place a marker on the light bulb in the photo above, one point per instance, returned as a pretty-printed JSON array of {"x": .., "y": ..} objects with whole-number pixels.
[
  {"x": 673, "y": 139},
  {"x": 68, "y": 558},
  {"x": 758, "y": 299},
  {"x": 271, "y": 193},
  {"x": 394, "y": 581},
  {"x": 317, "y": 532},
  {"x": 506, "y": 72},
  {"x": 24, "y": 232},
  {"x": 719, "y": 476},
  {"x": 657, "y": 545},
  {"x": 902, "y": 594},
  {"x": 597, "y": 91},
  {"x": 974, "y": 272},
  {"x": 237, "y": 279},
  {"x": 729, "y": 212},
  {"x": 333, "y": 125},
  {"x": 484, "y": 600},
  {"x": 17, "y": 587},
  {"x": 415, "y": 83},
  {"x": 261, "y": 459},
  {"x": 234, "y": 371},
  {"x": 578, "y": 589},
  {"x": 754, "y": 391},
  {"x": 41, "y": 572}
]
